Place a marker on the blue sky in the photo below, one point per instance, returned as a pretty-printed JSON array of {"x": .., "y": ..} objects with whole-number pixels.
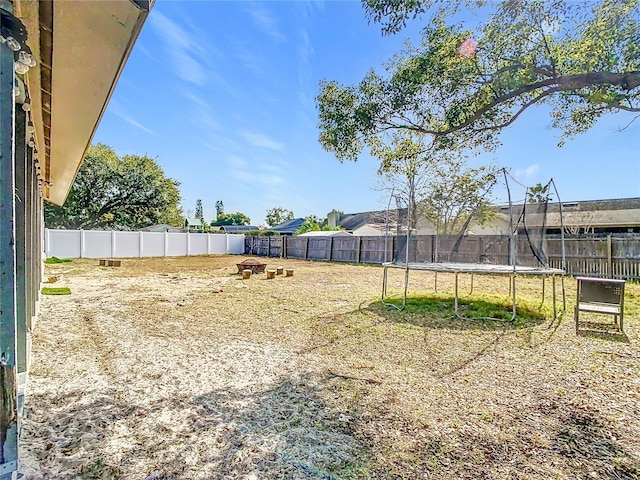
[{"x": 222, "y": 95}]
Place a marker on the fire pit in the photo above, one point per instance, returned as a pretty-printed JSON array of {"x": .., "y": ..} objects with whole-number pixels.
[{"x": 253, "y": 264}]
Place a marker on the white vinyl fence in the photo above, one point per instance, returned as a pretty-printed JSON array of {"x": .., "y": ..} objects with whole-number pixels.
[{"x": 115, "y": 244}]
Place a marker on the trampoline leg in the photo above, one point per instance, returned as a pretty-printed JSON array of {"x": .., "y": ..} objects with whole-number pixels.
[
  {"x": 384, "y": 283},
  {"x": 435, "y": 283},
  {"x": 471, "y": 292},
  {"x": 544, "y": 277},
  {"x": 384, "y": 289},
  {"x": 455, "y": 296},
  {"x": 513, "y": 298},
  {"x": 555, "y": 314}
]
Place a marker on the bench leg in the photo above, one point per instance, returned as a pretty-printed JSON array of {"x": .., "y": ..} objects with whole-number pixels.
[{"x": 575, "y": 316}]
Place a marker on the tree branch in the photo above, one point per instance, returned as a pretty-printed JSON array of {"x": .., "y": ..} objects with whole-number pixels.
[{"x": 564, "y": 83}]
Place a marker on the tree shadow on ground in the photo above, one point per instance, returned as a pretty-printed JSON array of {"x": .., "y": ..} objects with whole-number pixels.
[
  {"x": 288, "y": 431},
  {"x": 588, "y": 442},
  {"x": 548, "y": 439}
]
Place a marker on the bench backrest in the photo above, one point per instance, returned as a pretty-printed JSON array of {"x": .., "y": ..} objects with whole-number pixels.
[{"x": 601, "y": 291}]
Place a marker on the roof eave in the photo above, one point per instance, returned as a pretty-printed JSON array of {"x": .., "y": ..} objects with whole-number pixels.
[{"x": 81, "y": 49}]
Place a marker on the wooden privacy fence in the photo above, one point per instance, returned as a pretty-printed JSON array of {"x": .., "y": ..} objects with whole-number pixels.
[{"x": 607, "y": 257}]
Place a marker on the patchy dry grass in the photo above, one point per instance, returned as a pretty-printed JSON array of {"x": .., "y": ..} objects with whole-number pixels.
[{"x": 176, "y": 368}]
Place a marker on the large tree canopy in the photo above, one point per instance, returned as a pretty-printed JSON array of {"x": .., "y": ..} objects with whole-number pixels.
[
  {"x": 277, "y": 215},
  {"x": 122, "y": 193},
  {"x": 463, "y": 84}
]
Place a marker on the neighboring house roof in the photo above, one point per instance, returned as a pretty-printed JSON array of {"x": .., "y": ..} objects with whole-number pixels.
[
  {"x": 613, "y": 213},
  {"x": 288, "y": 226},
  {"x": 238, "y": 228},
  {"x": 162, "y": 227},
  {"x": 353, "y": 221},
  {"x": 325, "y": 233},
  {"x": 381, "y": 222},
  {"x": 193, "y": 222}
]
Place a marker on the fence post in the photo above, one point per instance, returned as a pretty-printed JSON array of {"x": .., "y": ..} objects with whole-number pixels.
[
  {"x": 434, "y": 248},
  {"x": 394, "y": 246},
  {"x": 166, "y": 243},
  {"x": 113, "y": 243},
  {"x": 306, "y": 248},
  {"x": 140, "y": 244},
  {"x": 330, "y": 247},
  {"x": 284, "y": 246},
  {"x": 188, "y": 243},
  {"x": 358, "y": 247},
  {"x": 81, "y": 243},
  {"x": 268, "y": 246},
  {"x": 609, "y": 257}
]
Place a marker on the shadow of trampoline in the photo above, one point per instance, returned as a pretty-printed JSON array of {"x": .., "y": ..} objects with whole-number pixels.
[{"x": 438, "y": 312}]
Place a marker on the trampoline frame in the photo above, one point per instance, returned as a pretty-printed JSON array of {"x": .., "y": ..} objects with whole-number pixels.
[
  {"x": 479, "y": 268},
  {"x": 512, "y": 270}
]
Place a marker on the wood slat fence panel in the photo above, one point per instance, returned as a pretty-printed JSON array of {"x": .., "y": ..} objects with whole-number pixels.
[
  {"x": 607, "y": 257},
  {"x": 344, "y": 249}
]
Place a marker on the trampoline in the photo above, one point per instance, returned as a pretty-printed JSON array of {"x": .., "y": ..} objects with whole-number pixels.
[
  {"x": 513, "y": 270},
  {"x": 483, "y": 269}
]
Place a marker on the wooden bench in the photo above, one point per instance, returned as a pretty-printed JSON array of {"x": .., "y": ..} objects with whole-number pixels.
[{"x": 600, "y": 295}]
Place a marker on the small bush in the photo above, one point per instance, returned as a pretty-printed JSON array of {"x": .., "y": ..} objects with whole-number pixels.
[
  {"x": 52, "y": 260},
  {"x": 55, "y": 291}
]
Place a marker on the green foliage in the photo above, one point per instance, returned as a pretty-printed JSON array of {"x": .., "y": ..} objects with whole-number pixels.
[
  {"x": 539, "y": 193},
  {"x": 54, "y": 260},
  {"x": 458, "y": 195},
  {"x": 463, "y": 86},
  {"x": 437, "y": 184},
  {"x": 277, "y": 215},
  {"x": 121, "y": 193},
  {"x": 219, "y": 208},
  {"x": 231, "y": 219},
  {"x": 55, "y": 291},
  {"x": 199, "y": 214},
  {"x": 310, "y": 224}
]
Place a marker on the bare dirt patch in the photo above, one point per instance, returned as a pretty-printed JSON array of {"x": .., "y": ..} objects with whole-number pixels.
[{"x": 176, "y": 368}]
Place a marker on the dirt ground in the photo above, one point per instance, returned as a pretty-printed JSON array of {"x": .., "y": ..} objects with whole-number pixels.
[{"x": 176, "y": 368}]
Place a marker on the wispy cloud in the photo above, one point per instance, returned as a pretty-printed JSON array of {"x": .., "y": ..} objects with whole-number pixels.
[
  {"x": 117, "y": 111},
  {"x": 305, "y": 48},
  {"x": 260, "y": 140},
  {"x": 248, "y": 174},
  {"x": 184, "y": 51},
  {"x": 528, "y": 172},
  {"x": 265, "y": 22}
]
